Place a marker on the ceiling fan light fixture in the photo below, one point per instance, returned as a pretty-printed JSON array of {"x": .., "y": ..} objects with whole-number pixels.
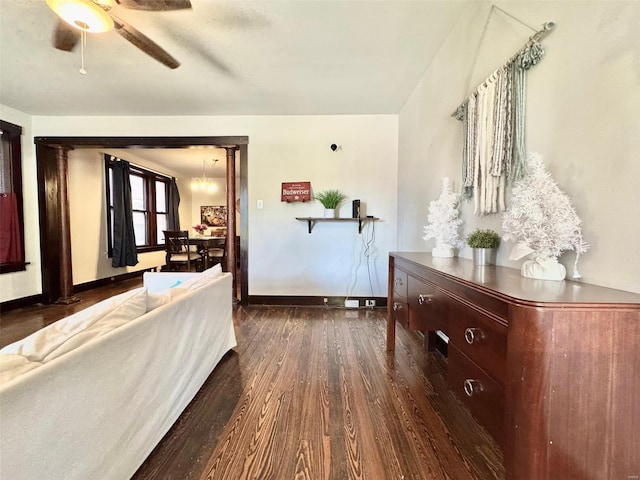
[{"x": 82, "y": 14}]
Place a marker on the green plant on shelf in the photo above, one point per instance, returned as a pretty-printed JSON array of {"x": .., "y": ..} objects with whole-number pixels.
[
  {"x": 483, "y": 239},
  {"x": 330, "y": 198}
]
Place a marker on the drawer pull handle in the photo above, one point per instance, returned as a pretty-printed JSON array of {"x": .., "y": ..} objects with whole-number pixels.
[
  {"x": 398, "y": 281},
  {"x": 396, "y": 306},
  {"x": 422, "y": 299},
  {"x": 472, "y": 387},
  {"x": 472, "y": 335}
]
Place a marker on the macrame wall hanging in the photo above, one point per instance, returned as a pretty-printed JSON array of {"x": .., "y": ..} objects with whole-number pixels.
[{"x": 493, "y": 116}]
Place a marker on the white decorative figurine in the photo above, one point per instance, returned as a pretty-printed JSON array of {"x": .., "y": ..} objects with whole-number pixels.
[
  {"x": 444, "y": 222},
  {"x": 543, "y": 222}
]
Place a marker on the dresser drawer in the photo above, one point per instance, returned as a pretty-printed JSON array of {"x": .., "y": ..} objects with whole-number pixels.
[
  {"x": 483, "y": 396},
  {"x": 428, "y": 306},
  {"x": 479, "y": 337},
  {"x": 400, "y": 312},
  {"x": 399, "y": 284},
  {"x": 486, "y": 302}
]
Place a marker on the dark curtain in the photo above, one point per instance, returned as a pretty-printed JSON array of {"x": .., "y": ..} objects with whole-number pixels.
[
  {"x": 10, "y": 240},
  {"x": 173, "y": 220},
  {"x": 124, "y": 241},
  {"x": 11, "y": 243}
]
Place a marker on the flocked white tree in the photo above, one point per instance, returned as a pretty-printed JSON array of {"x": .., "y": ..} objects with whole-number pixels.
[
  {"x": 443, "y": 222},
  {"x": 541, "y": 218}
]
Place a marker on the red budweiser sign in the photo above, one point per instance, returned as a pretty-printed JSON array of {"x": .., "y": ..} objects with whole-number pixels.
[{"x": 296, "y": 192}]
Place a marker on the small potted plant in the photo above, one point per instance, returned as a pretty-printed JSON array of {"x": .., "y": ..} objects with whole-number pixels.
[
  {"x": 330, "y": 199},
  {"x": 485, "y": 245}
]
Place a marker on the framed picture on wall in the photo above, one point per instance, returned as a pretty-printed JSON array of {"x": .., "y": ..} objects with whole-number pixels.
[{"x": 214, "y": 216}]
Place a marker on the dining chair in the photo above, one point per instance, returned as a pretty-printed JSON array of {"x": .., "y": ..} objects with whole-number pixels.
[
  {"x": 217, "y": 251},
  {"x": 178, "y": 251}
]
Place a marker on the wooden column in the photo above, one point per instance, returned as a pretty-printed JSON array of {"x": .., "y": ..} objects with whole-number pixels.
[
  {"x": 66, "y": 269},
  {"x": 231, "y": 214}
]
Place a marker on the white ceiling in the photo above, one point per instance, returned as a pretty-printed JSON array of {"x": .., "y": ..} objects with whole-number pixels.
[
  {"x": 237, "y": 57},
  {"x": 187, "y": 162}
]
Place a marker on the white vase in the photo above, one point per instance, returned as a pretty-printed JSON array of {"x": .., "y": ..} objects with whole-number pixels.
[
  {"x": 329, "y": 213},
  {"x": 544, "y": 269},
  {"x": 443, "y": 250}
]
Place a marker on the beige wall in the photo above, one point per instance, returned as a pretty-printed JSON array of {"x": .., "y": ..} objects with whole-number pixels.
[
  {"x": 583, "y": 104},
  {"x": 199, "y": 199},
  {"x": 283, "y": 258},
  {"x": 87, "y": 210},
  {"x": 27, "y": 282}
]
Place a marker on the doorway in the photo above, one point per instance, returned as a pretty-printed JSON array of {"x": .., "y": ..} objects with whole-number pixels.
[{"x": 50, "y": 207}]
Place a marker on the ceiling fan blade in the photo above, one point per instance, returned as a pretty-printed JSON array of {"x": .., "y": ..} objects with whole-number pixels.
[
  {"x": 145, "y": 44},
  {"x": 155, "y": 5},
  {"x": 65, "y": 37}
]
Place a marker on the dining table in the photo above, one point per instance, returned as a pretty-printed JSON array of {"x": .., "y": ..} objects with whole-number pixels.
[{"x": 204, "y": 243}]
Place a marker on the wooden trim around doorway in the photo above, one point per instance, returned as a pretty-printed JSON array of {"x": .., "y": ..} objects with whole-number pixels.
[{"x": 49, "y": 207}]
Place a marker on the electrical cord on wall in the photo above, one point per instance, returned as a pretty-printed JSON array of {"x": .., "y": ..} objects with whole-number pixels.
[
  {"x": 367, "y": 237},
  {"x": 368, "y": 251}
]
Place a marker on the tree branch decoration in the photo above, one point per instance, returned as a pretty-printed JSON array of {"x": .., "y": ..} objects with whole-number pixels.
[
  {"x": 542, "y": 222},
  {"x": 443, "y": 222}
]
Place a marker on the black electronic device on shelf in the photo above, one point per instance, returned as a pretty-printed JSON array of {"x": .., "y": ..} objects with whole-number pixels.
[{"x": 355, "y": 212}]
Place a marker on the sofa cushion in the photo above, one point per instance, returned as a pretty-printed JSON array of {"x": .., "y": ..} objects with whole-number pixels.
[
  {"x": 130, "y": 309},
  {"x": 14, "y": 365},
  {"x": 39, "y": 344}
]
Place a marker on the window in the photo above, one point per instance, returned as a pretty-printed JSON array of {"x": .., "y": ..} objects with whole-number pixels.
[
  {"x": 149, "y": 194},
  {"x": 11, "y": 216}
]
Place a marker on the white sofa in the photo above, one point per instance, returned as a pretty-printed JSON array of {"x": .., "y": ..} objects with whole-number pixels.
[{"x": 90, "y": 396}]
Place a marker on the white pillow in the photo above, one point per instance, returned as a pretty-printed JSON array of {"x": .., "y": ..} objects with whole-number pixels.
[
  {"x": 158, "y": 282},
  {"x": 39, "y": 344},
  {"x": 191, "y": 285},
  {"x": 216, "y": 271},
  {"x": 12, "y": 366},
  {"x": 131, "y": 309},
  {"x": 203, "y": 278},
  {"x": 195, "y": 283}
]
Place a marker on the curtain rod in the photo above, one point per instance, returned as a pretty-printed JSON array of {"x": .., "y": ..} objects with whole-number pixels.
[
  {"x": 546, "y": 29},
  {"x": 117, "y": 159}
]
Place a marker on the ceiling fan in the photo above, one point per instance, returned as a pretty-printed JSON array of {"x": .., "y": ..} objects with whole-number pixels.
[{"x": 94, "y": 16}]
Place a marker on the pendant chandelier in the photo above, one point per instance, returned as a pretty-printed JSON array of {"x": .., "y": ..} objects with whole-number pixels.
[{"x": 204, "y": 183}]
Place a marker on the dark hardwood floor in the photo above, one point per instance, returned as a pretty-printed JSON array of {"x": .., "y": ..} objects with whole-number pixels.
[
  {"x": 20, "y": 322},
  {"x": 311, "y": 394}
]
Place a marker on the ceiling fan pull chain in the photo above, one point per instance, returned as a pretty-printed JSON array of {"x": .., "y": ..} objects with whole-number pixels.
[{"x": 83, "y": 42}]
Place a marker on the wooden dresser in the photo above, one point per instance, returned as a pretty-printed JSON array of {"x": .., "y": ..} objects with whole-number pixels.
[{"x": 550, "y": 369}]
